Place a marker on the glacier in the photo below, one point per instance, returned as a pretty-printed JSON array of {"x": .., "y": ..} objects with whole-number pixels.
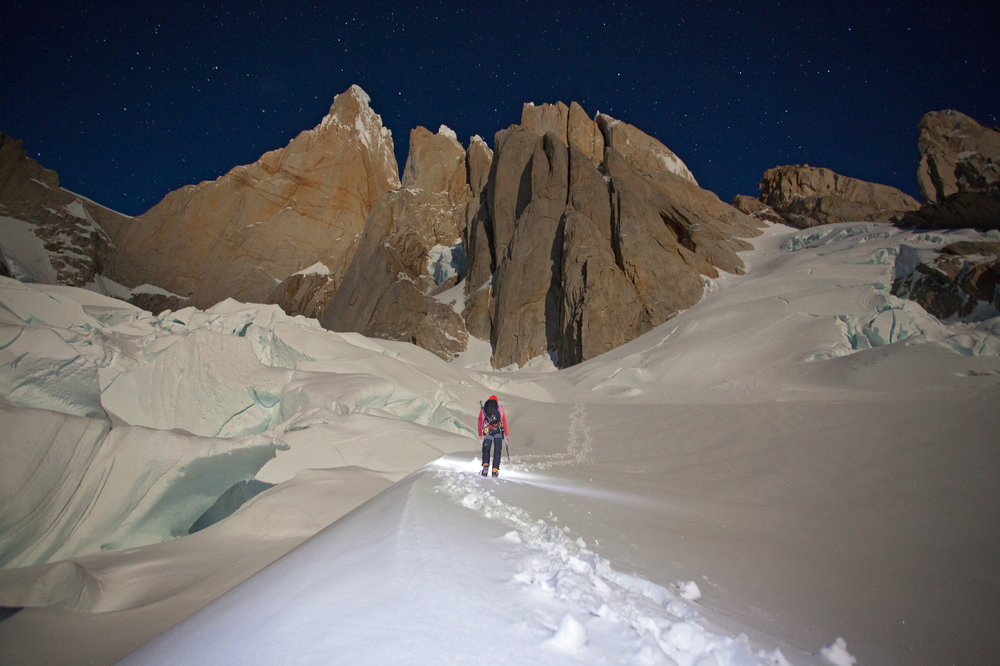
[{"x": 798, "y": 469}]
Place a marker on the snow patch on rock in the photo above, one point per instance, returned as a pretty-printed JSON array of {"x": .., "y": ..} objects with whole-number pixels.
[{"x": 319, "y": 268}]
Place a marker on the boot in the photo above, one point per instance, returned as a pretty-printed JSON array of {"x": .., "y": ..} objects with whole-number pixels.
[{"x": 496, "y": 471}]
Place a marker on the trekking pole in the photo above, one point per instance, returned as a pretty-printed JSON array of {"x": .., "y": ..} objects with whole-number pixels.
[{"x": 507, "y": 445}]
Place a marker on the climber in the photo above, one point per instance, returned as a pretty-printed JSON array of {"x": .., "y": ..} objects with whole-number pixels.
[{"x": 493, "y": 428}]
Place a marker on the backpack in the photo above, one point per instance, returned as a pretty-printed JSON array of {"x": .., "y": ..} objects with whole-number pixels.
[{"x": 491, "y": 412}]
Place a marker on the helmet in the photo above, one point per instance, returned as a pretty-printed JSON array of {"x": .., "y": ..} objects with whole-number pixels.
[{"x": 493, "y": 397}]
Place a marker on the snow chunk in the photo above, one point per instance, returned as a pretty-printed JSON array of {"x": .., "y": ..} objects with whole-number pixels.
[
  {"x": 472, "y": 501},
  {"x": 689, "y": 590},
  {"x": 688, "y": 638},
  {"x": 444, "y": 130},
  {"x": 836, "y": 653},
  {"x": 512, "y": 536},
  {"x": 570, "y": 636}
]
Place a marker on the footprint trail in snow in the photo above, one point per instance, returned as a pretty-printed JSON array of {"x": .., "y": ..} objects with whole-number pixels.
[{"x": 580, "y": 605}]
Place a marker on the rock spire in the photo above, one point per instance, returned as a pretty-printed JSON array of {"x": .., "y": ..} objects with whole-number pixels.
[{"x": 241, "y": 234}]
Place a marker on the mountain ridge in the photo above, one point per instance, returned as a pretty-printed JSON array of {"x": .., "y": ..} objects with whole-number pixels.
[{"x": 618, "y": 223}]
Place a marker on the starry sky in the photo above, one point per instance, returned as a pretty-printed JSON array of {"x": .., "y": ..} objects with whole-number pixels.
[{"x": 130, "y": 100}]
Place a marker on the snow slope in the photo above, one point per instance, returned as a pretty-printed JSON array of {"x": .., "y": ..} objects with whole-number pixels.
[
  {"x": 445, "y": 568},
  {"x": 799, "y": 468}
]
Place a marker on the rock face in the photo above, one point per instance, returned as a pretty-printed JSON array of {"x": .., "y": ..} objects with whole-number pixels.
[
  {"x": 806, "y": 196},
  {"x": 69, "y": 225},
  {"x": 574, "y": 237},
  {"x": 957, "y": 154},
  {"x": 640, "y": 150},
  {"x": 570, "y": 123},
  {"x": 305, "y": 293},
  {"x": 961, "y": 210},
  {"x": 242, "y": 234},
  {"x": 478, "y": 271},
  {"x": 959, "y": 174},
  {"x": 410, "y": 252},
  {"x": 963, "y": 277},
  {"x": 581, "y": 255},
  {"x": 754, "y": 207}
]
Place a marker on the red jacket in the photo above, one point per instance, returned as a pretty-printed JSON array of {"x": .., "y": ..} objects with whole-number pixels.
[{"x": 503, "y": 419}]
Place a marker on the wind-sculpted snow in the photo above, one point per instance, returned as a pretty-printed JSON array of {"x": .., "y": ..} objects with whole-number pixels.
[
  {"x": 122, "y": 428},
  {"x": 45, "y": 458},
  {"x": 132, "y": 487}
]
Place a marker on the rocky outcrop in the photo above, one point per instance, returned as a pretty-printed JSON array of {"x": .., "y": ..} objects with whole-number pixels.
[
  {"x": 642, "y": 151},
  {"x": 574, "y": 237},
  {"x": 410, "y": 252},
  {"x": 963, "y": 277},
  {"x": 957, "y": 154},
  {"x": 961, "y": 210},
  {"x": 805, "y": 196},
  {"x": 586, "y": 256},
  {"x": 242, "y": 234},
  {"x": 570, "y": 123},
  {"x": 754, "y": 207},
  {"x": 69, "y": 226},
  {"x": 959, "y": 174},
  {"x": 307, "y": 293}
]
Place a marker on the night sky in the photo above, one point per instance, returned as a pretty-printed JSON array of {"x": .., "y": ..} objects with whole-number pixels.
[{"x": 131, "y": 101}]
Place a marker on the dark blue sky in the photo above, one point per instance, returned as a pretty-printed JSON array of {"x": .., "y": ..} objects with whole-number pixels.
[{"x": 128, "y": 101}]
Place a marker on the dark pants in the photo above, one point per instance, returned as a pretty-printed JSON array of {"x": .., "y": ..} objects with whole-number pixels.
[{"x": 496, "y": 441}]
